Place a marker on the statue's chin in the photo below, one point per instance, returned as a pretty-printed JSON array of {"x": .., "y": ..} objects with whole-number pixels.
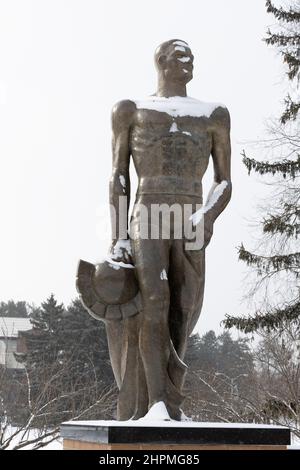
[{"x": 182, "y": 79}]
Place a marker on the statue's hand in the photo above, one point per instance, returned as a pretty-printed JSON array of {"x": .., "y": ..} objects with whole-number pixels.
[{"x": 120, "y": 250}]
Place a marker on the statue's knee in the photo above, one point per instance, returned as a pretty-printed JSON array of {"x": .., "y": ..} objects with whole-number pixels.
[
  {"x": 159, "y": 300},
  {"x": 156, "y": 307}
]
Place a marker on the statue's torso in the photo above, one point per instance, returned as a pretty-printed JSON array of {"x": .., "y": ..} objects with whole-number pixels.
[{"x": 170, "y": 152}]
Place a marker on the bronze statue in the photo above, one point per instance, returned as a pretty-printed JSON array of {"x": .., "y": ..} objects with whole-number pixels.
[{"x": 151, "y": 310}]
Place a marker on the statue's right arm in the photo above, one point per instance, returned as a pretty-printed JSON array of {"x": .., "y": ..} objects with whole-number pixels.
[{"x": 122, "y": 121}]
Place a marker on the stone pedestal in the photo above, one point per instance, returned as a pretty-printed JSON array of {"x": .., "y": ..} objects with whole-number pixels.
[{"x": 172, "y": 435}]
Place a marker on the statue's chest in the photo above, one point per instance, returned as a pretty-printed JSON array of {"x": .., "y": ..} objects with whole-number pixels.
[{"x": 170, "y": 134}]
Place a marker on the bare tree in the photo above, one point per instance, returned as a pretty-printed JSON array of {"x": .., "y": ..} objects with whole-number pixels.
[
  {"x": 268, "y": 393},
  {"x": 278, "y": 360},
  {"x": 30, "y": 427},
  {"x": 216, "y": 396}
]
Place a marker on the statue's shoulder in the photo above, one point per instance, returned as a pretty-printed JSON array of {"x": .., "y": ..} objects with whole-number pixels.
[
  {"x": 220, "y": 115},
  {"x": 123, "y": 109},
  {"x": 214, "y": 111},
  {"x": 122, "y": 115}
]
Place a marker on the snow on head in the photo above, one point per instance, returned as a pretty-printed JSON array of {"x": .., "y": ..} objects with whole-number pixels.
[
  {"x": 184, "y": 59},
  {"x": 180, "y": 48},
  {"x": 213, "y": 197},
  {"x": 181, "y": 43},
  {"x": 178, "y": 106}
]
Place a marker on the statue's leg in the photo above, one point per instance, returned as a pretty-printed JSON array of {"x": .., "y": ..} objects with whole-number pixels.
[
  {"x": 133, "y": 395},
  {"x": 186, "y": 280},
  {"x": 151, "y": 260}
]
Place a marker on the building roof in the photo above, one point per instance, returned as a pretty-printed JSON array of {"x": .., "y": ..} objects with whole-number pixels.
[{"x": 10, "y": 327}]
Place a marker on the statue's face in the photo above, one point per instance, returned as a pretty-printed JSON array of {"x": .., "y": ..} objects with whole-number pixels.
[{"x": 177, "y": 63}]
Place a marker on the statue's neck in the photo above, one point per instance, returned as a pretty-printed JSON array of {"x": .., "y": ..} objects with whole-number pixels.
[{"x": 168, "y": 89}]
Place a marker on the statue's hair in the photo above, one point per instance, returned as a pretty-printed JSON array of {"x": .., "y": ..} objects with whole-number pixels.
[{"x": 163, "y": 49}]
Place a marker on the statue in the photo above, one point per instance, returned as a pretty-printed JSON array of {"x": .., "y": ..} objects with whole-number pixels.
[{"x": 149, "y": 291}]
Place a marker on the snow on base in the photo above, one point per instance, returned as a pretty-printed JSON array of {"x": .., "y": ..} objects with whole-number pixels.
[
  {"x": 157, "y": 412},
  {"x": 172, "y": 423},
  {"x": 184, "y": 417},
  {"x": 295, "y": 445}
]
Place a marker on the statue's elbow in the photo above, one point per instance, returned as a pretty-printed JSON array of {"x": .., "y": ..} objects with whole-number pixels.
[{"x": 229, "y": 189}]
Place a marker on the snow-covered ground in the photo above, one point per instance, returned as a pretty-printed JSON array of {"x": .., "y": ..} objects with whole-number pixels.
[
  {"x": 32, "y": 434},
  {"x": 295, "y": 443}
]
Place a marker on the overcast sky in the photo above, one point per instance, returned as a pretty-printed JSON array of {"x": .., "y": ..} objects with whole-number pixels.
[{"x": 63, "y": 64}]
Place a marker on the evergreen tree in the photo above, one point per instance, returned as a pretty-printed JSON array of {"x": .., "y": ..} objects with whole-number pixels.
[
  {"x": 234, "y": 356},
  {"x": 287, "y": 40},
  {"x": 220, "y": 353},
  {"x": 13, "y": 309},
  {"x": 280, "y": 258},
  {"x": 67, "y": 363},
  {"x": 202, "y": 351}
]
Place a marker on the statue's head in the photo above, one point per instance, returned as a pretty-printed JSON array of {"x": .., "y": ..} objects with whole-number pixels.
[{"x": 174, "y": 60}]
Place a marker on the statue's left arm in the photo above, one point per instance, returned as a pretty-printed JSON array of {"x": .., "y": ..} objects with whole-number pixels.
[
  {"x": 119, "y": 188},
  {"x": 220, "y": 192}
]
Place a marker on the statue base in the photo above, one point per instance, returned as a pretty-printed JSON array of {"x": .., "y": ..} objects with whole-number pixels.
[{"x": 172, "y": 435}]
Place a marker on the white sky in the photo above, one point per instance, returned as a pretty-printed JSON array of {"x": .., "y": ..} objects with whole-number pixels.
[{"x": 63, "y": 64}]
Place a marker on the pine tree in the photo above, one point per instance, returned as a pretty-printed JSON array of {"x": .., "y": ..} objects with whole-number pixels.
[
  {"x": 281, "y": 224},
  {"x": 287, "y": 40},
  {"x": 67, "y": 363},
  {"x": 14, "y": 309},
  {"x": 219, "y": 353},
  {"x": 43, "y": 341}
]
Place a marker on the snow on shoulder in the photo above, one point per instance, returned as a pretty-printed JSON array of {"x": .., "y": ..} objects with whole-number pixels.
[{"x": 178, "y": 106}]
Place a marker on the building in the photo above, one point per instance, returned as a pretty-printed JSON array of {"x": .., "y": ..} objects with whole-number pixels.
[{"x": 10, "y": 341}]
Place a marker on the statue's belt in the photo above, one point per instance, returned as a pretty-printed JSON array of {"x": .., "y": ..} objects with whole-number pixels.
[{"x": 170, "y": 185}]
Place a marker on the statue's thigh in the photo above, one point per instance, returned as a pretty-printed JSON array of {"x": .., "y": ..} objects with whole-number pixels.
[{"x": 151, "y": 261}]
